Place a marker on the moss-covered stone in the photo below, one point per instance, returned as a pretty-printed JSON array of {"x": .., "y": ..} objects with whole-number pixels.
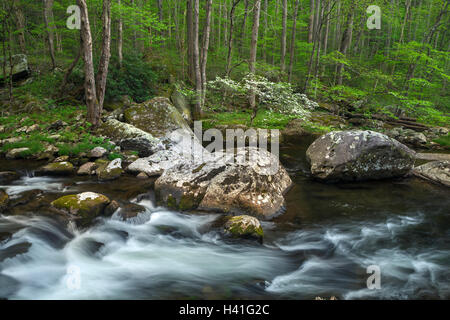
[
  {"x": 86, "y": 205},
  {"x": 111, "y": 171},
  {"x": 244, "y": 226},
  {"x": 57, "y": 168},
  {"x": 4, "y": 200}
]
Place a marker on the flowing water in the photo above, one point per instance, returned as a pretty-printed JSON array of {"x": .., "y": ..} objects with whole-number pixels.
[{"x": 321, "y": 246}]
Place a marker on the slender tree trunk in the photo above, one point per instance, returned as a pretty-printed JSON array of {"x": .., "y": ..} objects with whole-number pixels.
[
  {"x": 204, "y": 55},
  {"x": 253, "y": 51},
  {"x": 230, "y": 36},
  {"x": 190, "y": 40},
  {"x": 283, "y": 37},
  {"x": 244, "y": 24},
  {"x": 120, "y": 39},
  {"x": 198, "y": 76},
  {"x": 292, "y": 47},
  {"x": 89, "y": 77},
  {"x": 311, "y": 21},
  {"x": 266, "y": 7},
  {"x": 402, "y": 32},
  {"x": 346, "y": 40},
  {"x": 20, "y": 26},
  {"x": 48, "y": 6},
  {"x": 104, "y": 56}
]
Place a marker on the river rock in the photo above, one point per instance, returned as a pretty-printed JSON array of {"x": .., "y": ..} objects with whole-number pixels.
[
  {"x": 111, "y": 171},
  {"x": 130, "y": 211},
  {"x": 156, "y": 116},
  {"x": 111, "y": 208},
  {"x": 86, "y": 205},
  {"x": 58, "y": 124},
  {"x": 244, "y": 227},
  {"x": 136, "y": 138},
  {"x": 57, "y": 168},
  {"x": 436, "y": 171},
  {"x": 32, "y": 128},
  {"x": 181, "y": 102},
  {"x": 98, "y": 152},
  {"x": 254, "y": 187},
  {"x": 16, "y": 153},
  {"x": 61, "y": 159},
  {"x": 87, "y": 169},
  {"x": 4, "y": 200},
  {"x": 8, "y": 176},
  {"x": 358, "y": 155},
  {"x": 11, "y": 140}
]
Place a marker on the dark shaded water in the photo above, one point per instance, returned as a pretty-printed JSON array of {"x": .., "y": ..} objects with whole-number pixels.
[{"x": 321, "y": 246}]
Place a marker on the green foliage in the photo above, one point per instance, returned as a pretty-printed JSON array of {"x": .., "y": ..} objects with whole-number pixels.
[
  {"x": 444, "y": 140},
  {"x": 135, "y": 79}
]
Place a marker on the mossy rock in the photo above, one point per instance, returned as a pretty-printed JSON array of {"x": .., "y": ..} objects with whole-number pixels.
[
  {"x": 244, "y": 227},
  {"x": 156, "y": 116},
  {"x": 4, "y": 200},
  {"x": 111, "y": 171},
  {"x": 57, "y": 168},
  {"x": 86, "y": 205}
]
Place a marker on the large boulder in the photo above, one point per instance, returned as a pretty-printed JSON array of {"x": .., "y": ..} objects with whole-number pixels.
[
  {"x": 129, "y": 137},
  {"x": 20, "y": 68},
  {"x": 436, "y": 171},
  {"x": 252, "y": 182},
  {"x": 57, "y": 168},
  {"x": 358, "y": 155},
  {"x": 86, "y": 205},
  {"x": 156, "y": 116}
]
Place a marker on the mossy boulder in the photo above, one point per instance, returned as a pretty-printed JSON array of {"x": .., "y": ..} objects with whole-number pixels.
[
  {"x": 86, "y": 205},
  {"x": 4, "y": 200},
  {"x": 358, "y": 155},
  {"x": 111, "y": 171},
  {"x": 57, "y": 168},
  {"x": 244, "y": 227},
  {"x": 255, "y": 186},
  {"x": 156, "y": 116},
  {"x": 17, "y": 153}
]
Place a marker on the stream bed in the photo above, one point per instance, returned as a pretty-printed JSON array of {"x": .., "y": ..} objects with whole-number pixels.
[{"x": 321, "y": 246}]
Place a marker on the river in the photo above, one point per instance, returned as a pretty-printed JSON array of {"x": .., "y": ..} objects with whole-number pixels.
[{"x": 321, "y": 246}]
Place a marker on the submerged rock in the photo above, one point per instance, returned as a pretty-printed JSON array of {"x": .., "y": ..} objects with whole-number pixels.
[
  {"x": 358, "y": 155},
  {"x": 57, "y": 168},
  {"x": 130, "y": 211},
  {"x": 436, "y": 171},
  {"x": 111, "y": 171},
  {"x": 4, "y": 200},
  {"x": 244, "y": 226},
  {"x": 8, "y": 176},
  {"x": 255, "y": 186},
  {"x": 86, "y": 205}
]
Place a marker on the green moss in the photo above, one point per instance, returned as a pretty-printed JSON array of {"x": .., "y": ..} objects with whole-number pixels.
[
  {"x": 87, "y": 208},
  {"x": 172, "y": 202},
  {"x": 238, "y": 228},
  {"x": 187, "y": 202},
  {"x": 444, "y": 140}
]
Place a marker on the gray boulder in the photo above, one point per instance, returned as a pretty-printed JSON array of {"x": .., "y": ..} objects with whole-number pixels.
[
  {"x": 436, "y": 171},
  {"x": 358, "y": 155},
  {"x": 255, "y": 187},
  {"x": 20, "y": 67}
]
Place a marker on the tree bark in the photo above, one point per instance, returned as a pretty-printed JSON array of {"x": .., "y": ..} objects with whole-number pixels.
[
  {"x": 283, "y": 37},
  {"x": 89, "y": 77},
  {"x": 230, "y": 36},
  {"x": 104, "y": 56},
  {"x": 244, "y": 23},
  {"x": 311, "y": 21},
  {"x": 120, "y": 39},
  {"x": 205, "y": 46},
  {"x": 253, "y": 51},
  {"x": 190, "y": 40},
  {"x": 48, "y": 6},
  {"x": 292, "y": 47},
  {"x": 198, "y": 76},
  {"x": 20, "y": 26}
]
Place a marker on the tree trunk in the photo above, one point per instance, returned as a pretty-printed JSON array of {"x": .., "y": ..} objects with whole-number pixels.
[
  {"x": 89, "y": 77},
  {"x": 190, "y": 40},
  {"x": 48, "y": 7},
  {"x": 120, "y": 39},
  {"x": 292, "y": 47},
  {"x": 20, "y": 26},
  {"x": 198, "y": 76},
  {"x": 105, "y": 55},
  {"x": 346, "y": 39},
  {"x": 253, "y": 48},
  {"x": 230, "y": 36},
  {"x": 204, "y": 55},
  {"x": 311, "y": 21},
  {"x": 266, "y": 7},
  {"x": 244, "y": 23},
  {"x": 283, "y": 37}
]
